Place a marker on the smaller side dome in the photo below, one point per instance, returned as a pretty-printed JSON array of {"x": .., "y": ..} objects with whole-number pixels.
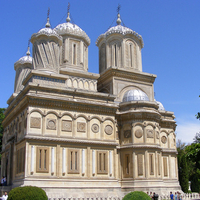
[
  {"x": 23, "y": 66},
  {"x": 135, "y": 95},
  {"x": 24, "y": 60},
  {"x": 161, "y": 107}
]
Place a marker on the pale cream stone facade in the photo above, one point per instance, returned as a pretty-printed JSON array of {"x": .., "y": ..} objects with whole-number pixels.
[{"x": 82, "y": 134}]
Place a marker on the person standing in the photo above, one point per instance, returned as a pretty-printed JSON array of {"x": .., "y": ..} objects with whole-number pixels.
[
  {"x": 176, "y": 196},
  {"x": 5, "y": 196},
  {"x": 171, "y": 196}
]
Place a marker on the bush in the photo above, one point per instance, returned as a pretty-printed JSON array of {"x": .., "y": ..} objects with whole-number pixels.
[
  {"x": 137, "y": 195},
  {"x": 27, "y": 193}
]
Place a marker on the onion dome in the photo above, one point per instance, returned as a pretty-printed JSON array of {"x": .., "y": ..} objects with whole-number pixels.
[
  {"x": 68, "y": 28},
  {"x": 23, "y": 66},
  {"x": 43, "y": 42},
  {"x": 161, "y": 107},
  {"x": 135, "y": 95},
  {"x": 119, "y": 29},
  {"x": 47, "y": 31},
  {"x": 24, "y": 60}
]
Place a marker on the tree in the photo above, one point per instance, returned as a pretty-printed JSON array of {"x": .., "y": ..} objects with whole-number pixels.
[
  {"x": 183, "y": 171},
  {"x": 197, "y": 138},
  {"x": 193, "y": 155}
]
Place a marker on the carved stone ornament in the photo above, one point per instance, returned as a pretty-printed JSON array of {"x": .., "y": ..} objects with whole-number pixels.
[
  {"x": 108, "y": 130},
  {"x": 51, "y": 124},
  {"x": 66, "y": 125},
  {"x": 35, "y": 122},
  {"x": 127, "y": 133},
  {"x": 157, "y": 135},
  {"x": 25, "y": 123},
  {"x": 138, "y": 133},
  {"x": 95, "y": 128},
  {"x": 81, "y": 126},
  {"x": 163, "y": 139},
  {"x": 149, "y": 133}
]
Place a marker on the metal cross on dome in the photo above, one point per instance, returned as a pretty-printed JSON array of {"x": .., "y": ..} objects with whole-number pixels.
[
  {"x": 48, "y": 12},
  {"x": 118, "y": 8},
  {"x": 68, "y": 7}
]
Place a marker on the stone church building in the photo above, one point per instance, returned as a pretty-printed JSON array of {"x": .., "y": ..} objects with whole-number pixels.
[{"x": 80, "y": 134}]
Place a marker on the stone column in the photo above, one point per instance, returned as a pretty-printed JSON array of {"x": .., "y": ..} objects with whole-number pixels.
[
  {"x": 32, "y": 159},
  {"x": 81, "y": 52},
  {"x": 132, "y": 132},
  {"x": 107, "y": 56},
  {"x": 134, "y": 167},
  {"x": 110, "y": 163},
  {"x": 43, "y": 123},
  {"x": 66, "y": 50},
  {"x": 93, "y": 162},
  {"x": 63, "y": 161},
  {"x": 146, "y": 163},
  {"x": 83, "y": 162},
  {"x": 170, "y": 167},
  {"x": 58, "y": 161},
  {"x": 88, "y": 162},
  {"x": 88, "y": 128},
  {"x": 52, "y": 160},
  {"x": 123, "y": 54}
]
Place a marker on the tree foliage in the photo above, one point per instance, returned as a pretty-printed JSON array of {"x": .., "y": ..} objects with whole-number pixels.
[
  {"x": 183, "y": 172},
  {"x": 192, "y": 153},
  {"x": 27, "y": 193},
  {"x": 136, "y": 195}
]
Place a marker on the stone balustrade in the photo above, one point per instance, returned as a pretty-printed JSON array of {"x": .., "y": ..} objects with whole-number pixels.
[{"x": 186, "y": 196}]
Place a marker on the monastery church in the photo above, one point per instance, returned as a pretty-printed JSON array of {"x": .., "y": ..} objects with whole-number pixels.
[{"x": 80, "y": 134}]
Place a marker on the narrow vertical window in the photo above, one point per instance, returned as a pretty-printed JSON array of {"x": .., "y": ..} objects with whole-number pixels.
[
  {"x": 40, "y": 159},
  {"x": 75, "y": 160},
  {"x": 115, "y": 55},
  {"x": 102, "y": 162},
  {"x": 127, "y": 164},
  {"x": 73, "y": 163},
  {"x": 42, "y": 162},
  {"x": 131, "y": 58},
  {"x": 165, "y": 166},
  {"x": 45, "y": 157},
  {"x": 71, "y": 166},
  {"x": 151, "y": 164},
  {"x": 74, "y": 54}
]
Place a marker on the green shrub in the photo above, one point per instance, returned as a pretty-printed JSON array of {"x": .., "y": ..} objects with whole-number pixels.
[
  {"x": 27, "y": 193},
  {"x": 137, "y": 195}
]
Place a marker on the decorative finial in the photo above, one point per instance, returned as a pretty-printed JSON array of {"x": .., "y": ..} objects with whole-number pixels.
[
  {"x": 28, "y": 51},
  {"x": 48, "y": 24},
  {"x": 118, "y": 8},
  {"x": 68, "y": 13},
  {"x": 118, "y": 15}
]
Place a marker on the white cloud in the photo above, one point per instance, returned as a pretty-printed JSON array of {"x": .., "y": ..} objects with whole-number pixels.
[{"x": 187, "y": 130}]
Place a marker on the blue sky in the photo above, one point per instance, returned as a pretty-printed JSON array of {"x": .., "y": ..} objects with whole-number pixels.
[{"x": 170, "y": 30}]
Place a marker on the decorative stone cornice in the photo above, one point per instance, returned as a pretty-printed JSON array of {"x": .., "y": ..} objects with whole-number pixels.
[
  {"x": 126, "y": 74},
  {"x": 140, "y": 146},
  {"x": 71, "y": 140}
]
